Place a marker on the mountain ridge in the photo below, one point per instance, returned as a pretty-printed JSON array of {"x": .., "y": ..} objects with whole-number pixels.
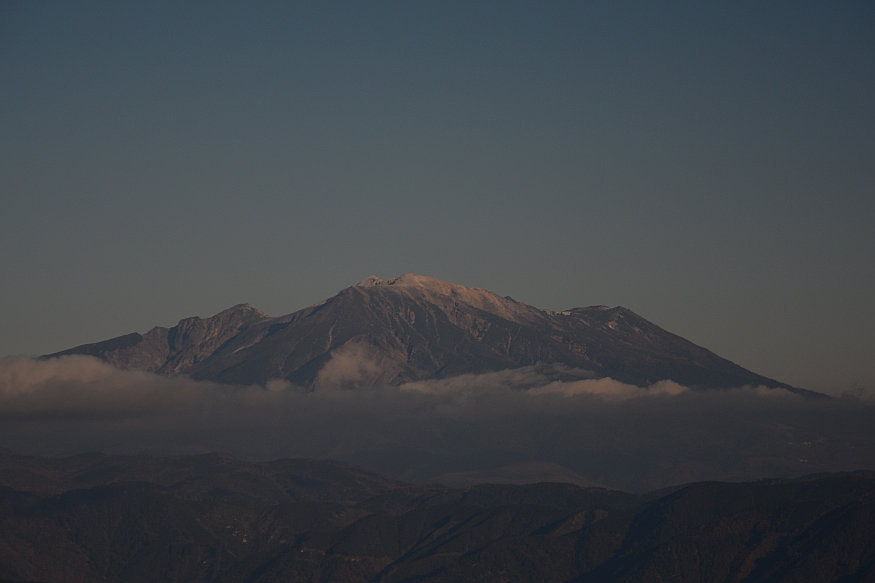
[
  {"x": 414, "y": 327},
  {"x": 216, "y": 518}
]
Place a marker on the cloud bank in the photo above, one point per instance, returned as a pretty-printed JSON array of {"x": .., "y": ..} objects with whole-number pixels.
[
  {"x": 615, "y": 434},
  {"x": 83, "y": 386}
]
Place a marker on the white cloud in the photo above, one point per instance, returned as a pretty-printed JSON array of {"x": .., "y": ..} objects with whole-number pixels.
[
  {"x": 83, "y": 385},
  {"x": 609, "y": 389},
  {"x": 350, "y": 365}
]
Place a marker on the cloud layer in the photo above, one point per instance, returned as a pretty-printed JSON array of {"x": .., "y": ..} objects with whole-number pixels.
[{"x": 613, "y": 433}]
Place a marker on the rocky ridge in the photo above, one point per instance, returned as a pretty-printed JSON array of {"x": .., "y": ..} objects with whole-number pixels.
[{"x": 414, "y": 327}]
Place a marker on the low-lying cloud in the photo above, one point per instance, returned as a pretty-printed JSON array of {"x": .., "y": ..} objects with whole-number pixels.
[
  {"x": 350, "y": 365},
  {"x": 609, "y": 389},
  {"x": 71, "y": 386},
  {"x": 84, "y": 386},
  {"x": 613, "y": 433}
]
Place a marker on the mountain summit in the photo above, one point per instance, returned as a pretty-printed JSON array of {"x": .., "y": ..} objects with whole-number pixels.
[{"x": 415, "y": 327}]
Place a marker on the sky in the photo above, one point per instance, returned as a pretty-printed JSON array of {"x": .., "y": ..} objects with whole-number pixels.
[{"x": 710, "y": 166}]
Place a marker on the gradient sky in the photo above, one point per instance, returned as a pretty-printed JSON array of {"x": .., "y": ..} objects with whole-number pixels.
[{"x": 710, "y": 166}]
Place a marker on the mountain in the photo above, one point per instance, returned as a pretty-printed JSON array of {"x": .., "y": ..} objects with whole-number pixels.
[
  {"x": 414, "y": 327},
  {"x": 216, "y": 518}
]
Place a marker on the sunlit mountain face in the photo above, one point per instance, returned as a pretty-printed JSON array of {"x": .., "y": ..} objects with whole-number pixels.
[{"x": 415, "y": 328}]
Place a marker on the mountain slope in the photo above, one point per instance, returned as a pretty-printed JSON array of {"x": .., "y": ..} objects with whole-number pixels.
[{"x": 415, "y": 327}]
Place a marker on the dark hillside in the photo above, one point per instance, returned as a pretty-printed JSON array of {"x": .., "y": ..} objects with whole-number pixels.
[{"x": 214, "y": 518}]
